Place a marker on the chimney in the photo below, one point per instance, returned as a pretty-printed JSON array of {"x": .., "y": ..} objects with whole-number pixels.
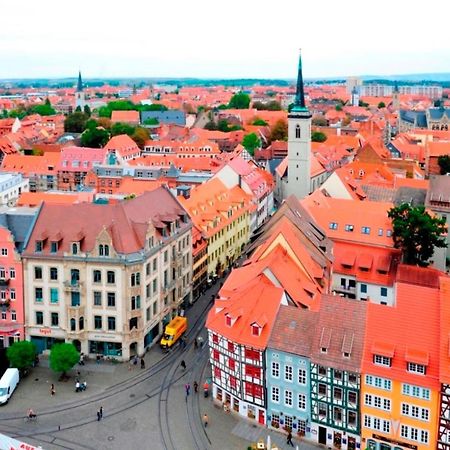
[{"x": 240, "y": 180}]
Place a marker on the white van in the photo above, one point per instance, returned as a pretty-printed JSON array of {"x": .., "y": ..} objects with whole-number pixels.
[{"x": 8, "y": 383}]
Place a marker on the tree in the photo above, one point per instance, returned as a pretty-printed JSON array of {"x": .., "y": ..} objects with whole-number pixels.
[
  {"x": 151, "y": 121},
  {"x": 363, "y": 104},
  {"x": 78, "y": 108},
  {"x": 104, "y": 122},
  {"x": 273, "y": 105},
  {"x": 75, "y": 122},
  {"x": 259, "y": 122},
  {"x": 444, "y": 164},
  {"x": 416, "y": 233},
  {"x": 338, "y": 107},
  {"x": 139, "y": 136},
  {"x": 239, "y": 101},
  {"x": 279, "y": 131},
  {"x": 223, "y": 126},
  {"x": 63, "y": 357},
  {"x": 95, "y": 137},
  {"x": 122, "y": 128},
  {"x": 21, "y": 354},
  {"x": 87, "y": 110},
  {"x": 318, "y": 136},
  {"x": 211, "y": 126},
  {"x": 43, "y": 110},
  {"x": 381, "y": 105},
  {"x": 251, "y": 142}
]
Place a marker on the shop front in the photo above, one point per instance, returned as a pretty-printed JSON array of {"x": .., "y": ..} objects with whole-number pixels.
[{"x": 105, "y": 348}]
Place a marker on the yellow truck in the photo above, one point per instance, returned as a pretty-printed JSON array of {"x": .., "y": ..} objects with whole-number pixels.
[{"x": 174, "y": 330}]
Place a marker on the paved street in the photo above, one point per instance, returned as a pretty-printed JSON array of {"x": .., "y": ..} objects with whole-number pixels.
[{"x": 145, "y": 409}]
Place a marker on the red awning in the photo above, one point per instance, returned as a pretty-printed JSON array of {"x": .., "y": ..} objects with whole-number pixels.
[
  {"x": 383, "y": 349},
  {"x": 417, "y": 356},
  {"x": 384, "y": 263},
  {"x": 348, "y": 259},
  {"x": 365, "y": 261}
]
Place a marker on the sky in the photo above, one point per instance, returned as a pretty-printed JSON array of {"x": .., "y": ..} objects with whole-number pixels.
[{"x": 226, "y": 39}]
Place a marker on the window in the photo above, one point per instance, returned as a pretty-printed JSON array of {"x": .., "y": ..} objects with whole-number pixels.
[
  {"x": 38, "y": 273},
  {"x": 363, "y": 288},
  {"x": 53, "y": 247},
  {"x": 230, "y": 347},
  {"x": 416, "y": 368},
  {"x": 349, "y": 228},
  {"x": 288, "y": 373},
  {"x": 416, "y": 391},
  {"x": 75, "y": 248},
  {"x": 135, "y": 302},
  {"x": 155, "y": 308},
  {"x": 54, "y": 295},
  {"x": 252, "y": 354},
  {"x": 73, "y": 325},
  {"x": 333, "y": 226},
  {"x": 380, "y": 231},
  {"x": 135, "y": 279},
  {"x": 322, "y": 389},
  {"x": 337, "y": 375},
  {"x": 352, "y": 397},
  {"x": 231, "y": 364},
  {"x": 351, "y": 415},
  {"x": 337, "y": 393},
  {"x": 97, "y": 276},
  {"x": 13, "y": 316},
  {"x": 38, "y": 295},
  {"x": 301, "y": 376},
  {"x": 37, "y": 248},
  {"x": 111, "y": 299},
  {"x": 275, "y": 394},
  {"x": 275, "y": 369},
  {"x": 97, "y": 298},
  {"x": 337, "y": 414},
  {"x": 12, "y": 273},
  {"x": 111, "y": 323},
  {"x": 288, "y": 398},
  {"x": 110, "y": 277},
  {"x": 380, "y": 360},
  {"x": 155, "y": 264},
  {"x": 352, "y": 378},
  {"x": 98, "y": 322},
  {"x": 322, "y": 370},
  {"x": 322, "y": 409},
  {"x": 298, "y": 132},
  {"x": 301, "y": 401},
  {"x": 39, "y": 318},
  {"x": 255, "y": 330},
  {"x": 12, "y": 294},
  {"x": 388, "y": 233},
  {"x": 53, "y": 273},
  {"x": 54, "y": 319},
  {"x": 383, "y": 292},
  {"x": 365, "y": 230}
]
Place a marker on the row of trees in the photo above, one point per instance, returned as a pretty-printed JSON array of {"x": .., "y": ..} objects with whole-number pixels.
[
  {"x": 22, "y": 355},
  {"x": 44, "y": 109},
  {"x": 126, "y": 105}
]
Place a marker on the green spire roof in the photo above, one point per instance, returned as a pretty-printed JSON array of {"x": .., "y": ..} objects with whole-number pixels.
[
  {"x": 299, "y": 104},
  {"x": 80, "y": 83}
]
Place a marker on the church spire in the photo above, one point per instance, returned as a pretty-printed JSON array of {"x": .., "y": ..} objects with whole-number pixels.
[
  {"x": 299, "y": 103},
  {"x": 80, "y": 83}
]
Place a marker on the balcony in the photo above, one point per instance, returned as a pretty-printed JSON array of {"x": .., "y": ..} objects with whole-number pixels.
[
  {"x": 345, "y": 289},
  {"x": 4, "y": 281},
  {"x": 72, "y": 286}
]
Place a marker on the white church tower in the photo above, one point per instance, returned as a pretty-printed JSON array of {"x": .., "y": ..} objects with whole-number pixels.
[
  {"x": 80, "y": 99},
  {"x": 299, "y": 143}
]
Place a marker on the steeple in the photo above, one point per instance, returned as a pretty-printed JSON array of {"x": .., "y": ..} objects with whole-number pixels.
[
  {"x": 396, "y": 87},
  {"x": 299, "y": 104},
  {"x": 80, "y": 83}
]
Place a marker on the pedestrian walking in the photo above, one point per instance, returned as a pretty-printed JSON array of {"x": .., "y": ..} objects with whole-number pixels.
[
  {"x": 81, "y": 362},
  {"x": 135, "y": 360},
  {"x": 183, "y": 342},
  {"x": 52, "y": 390},
  {"x": 99, "y": 416},
  {"x": 205, "y": 420},
  {"x": 187, "y": 386},
  {"x": 142, "y": 363},
  {"x": 183, "y": 365},
  {"x": 195, "y": 387},
  {"x": 195, "y": 343},
  {"x": 289, "y": 439},
  {"x": 101, "y": 412}
]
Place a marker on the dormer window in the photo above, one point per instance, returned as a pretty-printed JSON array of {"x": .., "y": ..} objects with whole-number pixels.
[
  {"x": 75, "y": 248},
  {"x": 298, "y": 133},
  {"x": 256, "y": 330},
  {"x": 333, "y": 226},
  {"x": 151, "y": 241},
  {"x": 38, "y": 247},
  {"x": 361, "y": 173},
  {"x": 380, "y": 360},
  {"x": 417, "y": 368},
  {"x": 228, "y": 321},
  {"x": 103, "y": 250},
  {"x": 349, "y": 228},
  {"x": 323, "y": 350},
  {"x": 365, "y": 230},
  {"x": 54, "y": 247}
]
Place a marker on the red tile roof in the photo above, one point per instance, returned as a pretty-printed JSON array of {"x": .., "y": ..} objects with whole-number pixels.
[{"x": 125, "y": 116}]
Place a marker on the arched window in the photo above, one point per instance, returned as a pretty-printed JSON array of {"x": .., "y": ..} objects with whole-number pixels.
[
  {"x": 100, "y": 250},
  {"x": 74, "y": 248},
  {"x": 297, "y": 132},
  {"x": 73, "y": 324},
  {"x": 81, "y": 323},
  {"x": 106, "y": 250}
]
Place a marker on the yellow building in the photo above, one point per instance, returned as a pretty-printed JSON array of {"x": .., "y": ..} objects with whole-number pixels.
[
  {"x": 400, "y": 383},
  {"x": 223, "y": 216}
]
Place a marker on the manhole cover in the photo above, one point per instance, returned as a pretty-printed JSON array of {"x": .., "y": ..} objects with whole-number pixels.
[
  {"x": 111, "y": 438},
  {"x": 132, "y": 395}
]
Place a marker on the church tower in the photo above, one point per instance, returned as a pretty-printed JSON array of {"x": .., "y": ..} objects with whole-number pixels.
[
  {"x": 299, "y": 143},
  {"x": 395, "y": 97},
  {"x": 79, "y": 95},
  {"x": 355, "y": 96}
]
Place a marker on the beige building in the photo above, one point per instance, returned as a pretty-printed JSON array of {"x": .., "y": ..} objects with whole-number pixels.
[{"x": 107, "y": 277}]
